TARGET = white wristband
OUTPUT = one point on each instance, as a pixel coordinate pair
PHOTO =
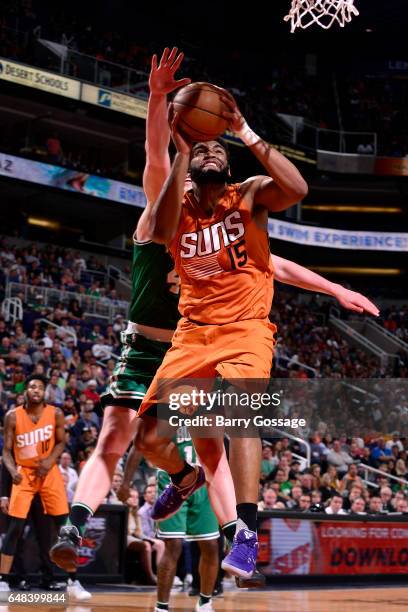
(247, 135)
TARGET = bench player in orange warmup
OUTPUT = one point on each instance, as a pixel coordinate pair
(34, 441)
(217, 236)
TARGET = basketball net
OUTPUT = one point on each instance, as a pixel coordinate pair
(304, 13)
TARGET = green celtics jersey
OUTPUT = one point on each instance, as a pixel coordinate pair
(185, 445)
(155, 287)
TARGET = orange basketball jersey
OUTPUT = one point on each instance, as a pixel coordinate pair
(223, 261)
(34, 441)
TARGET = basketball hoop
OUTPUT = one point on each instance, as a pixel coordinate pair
(304, 13)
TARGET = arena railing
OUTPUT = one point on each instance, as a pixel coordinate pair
(12, 309)
(352, 335)
(88, 276)
(285, 362)
(367, 469)
(117, 274)
(302, 441)
(310, 136)
(67, 333)
(37, 297)
(403, 345)
(101, 72)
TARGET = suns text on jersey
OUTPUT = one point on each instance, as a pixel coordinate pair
(212, 238)
(33, 437)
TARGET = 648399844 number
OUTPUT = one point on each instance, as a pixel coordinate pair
(36, 598)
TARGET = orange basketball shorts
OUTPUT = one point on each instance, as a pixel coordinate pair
(51, 490)
(243, 349)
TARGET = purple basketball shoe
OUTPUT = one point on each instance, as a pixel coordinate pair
(241, 560)
(173, 497)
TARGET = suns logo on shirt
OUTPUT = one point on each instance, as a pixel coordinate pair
(291, 561)
(213, 238)
(33, 437)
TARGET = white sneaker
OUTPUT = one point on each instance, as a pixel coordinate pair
(76, 591)
(4, 586)
(177, 582)
(207, 607)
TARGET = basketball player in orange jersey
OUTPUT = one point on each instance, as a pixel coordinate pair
(153, 316)
(217, 236)
(119, 422)
(34, 440)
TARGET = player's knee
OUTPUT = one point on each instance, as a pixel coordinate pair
(209, 549)
(147, 442)
(210, 451)
(113, 441)
(174, 548)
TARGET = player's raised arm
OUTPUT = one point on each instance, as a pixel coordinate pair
(285, 185)
(162, 81)
(289, 272)
(8, 458)
(165, 212)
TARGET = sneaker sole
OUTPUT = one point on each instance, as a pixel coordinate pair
(256, 581)
(65, 557)
(235, 571)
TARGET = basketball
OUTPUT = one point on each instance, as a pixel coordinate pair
(200, 107)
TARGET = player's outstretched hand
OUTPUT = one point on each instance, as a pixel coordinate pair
(355, 301)
(233, 114)
(181, 141)
(162, 76)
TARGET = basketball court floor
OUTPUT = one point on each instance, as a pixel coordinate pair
(386, 599)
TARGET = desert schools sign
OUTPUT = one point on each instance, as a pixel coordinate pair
(39, 79)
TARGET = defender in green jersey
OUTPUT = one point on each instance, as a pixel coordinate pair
(153, 316)
(195, 521)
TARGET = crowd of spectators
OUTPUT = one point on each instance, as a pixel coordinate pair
(305, 337)
(336, 482)
(50, 266)
(395, 320)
